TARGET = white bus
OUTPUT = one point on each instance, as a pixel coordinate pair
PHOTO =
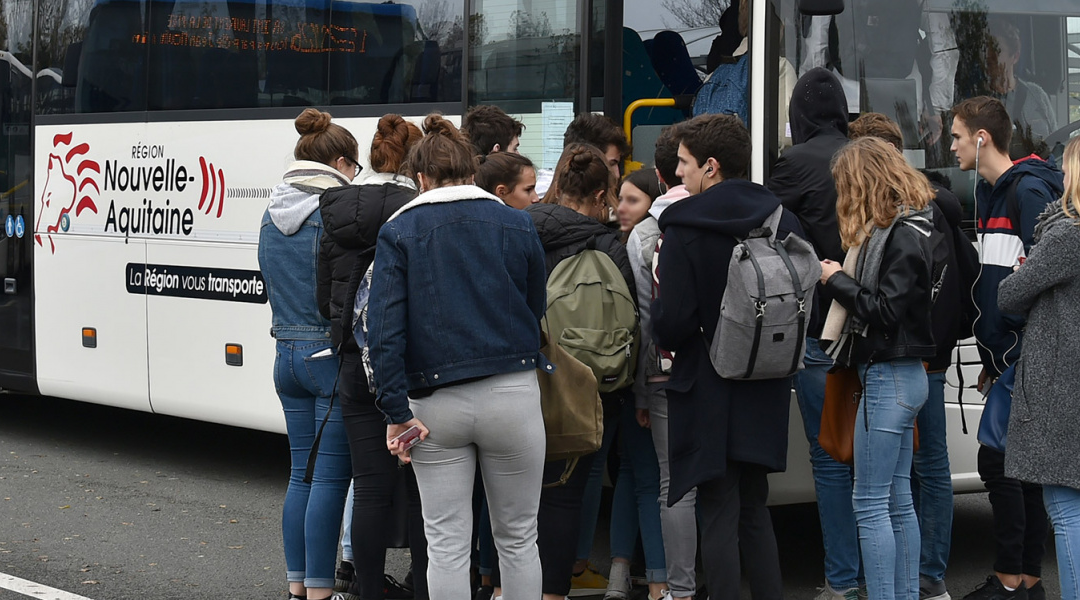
(140, 140)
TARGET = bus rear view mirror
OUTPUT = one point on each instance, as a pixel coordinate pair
(817, 8)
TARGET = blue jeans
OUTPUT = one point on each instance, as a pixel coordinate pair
(932, 486)
(636, 504)
(832, 480)
(311, 517)
(1063, 506)
(893, 393)
(590, 502)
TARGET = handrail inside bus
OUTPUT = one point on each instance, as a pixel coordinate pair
(629, 164)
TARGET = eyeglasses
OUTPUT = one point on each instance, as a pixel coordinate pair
(357, 166)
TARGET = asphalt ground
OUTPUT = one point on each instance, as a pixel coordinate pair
(112, 504)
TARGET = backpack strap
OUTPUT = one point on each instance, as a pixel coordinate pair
(759, 306)
(800, 297)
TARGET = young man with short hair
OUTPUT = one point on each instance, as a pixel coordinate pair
(491, 130)
(1008, 203)
(597, 131)
(725, 435)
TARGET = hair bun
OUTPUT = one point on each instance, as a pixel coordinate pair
(437, 125)
(580, 159)
(312, 121)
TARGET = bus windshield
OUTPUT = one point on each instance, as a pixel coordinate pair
(913, 60)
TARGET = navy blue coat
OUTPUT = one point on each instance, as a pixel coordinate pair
(713, 420)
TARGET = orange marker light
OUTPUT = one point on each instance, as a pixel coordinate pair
(234, 355)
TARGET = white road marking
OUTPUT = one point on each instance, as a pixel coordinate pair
(35, 590)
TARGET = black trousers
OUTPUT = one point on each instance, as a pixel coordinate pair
(1020, 522)
(376, 478)
(734, 518)
(557, 525)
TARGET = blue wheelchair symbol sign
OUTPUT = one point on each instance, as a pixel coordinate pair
(20, 226)
(9, 226)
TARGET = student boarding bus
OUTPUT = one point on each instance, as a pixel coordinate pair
(141, 138)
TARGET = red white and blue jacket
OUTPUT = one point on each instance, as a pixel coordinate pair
(1005, 238)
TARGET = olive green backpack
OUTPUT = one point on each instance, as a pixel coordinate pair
(592, 315)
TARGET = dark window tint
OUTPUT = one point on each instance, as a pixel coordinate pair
(16, 189)
(116, 55)
(94, 54)
(523, 50)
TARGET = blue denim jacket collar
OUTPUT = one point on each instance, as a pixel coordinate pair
(454, 193)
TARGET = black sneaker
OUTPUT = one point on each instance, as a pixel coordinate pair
(932, 590)
(992, 589)
(484, 593)
(1037, 591)
(393, 590)
(344, 576)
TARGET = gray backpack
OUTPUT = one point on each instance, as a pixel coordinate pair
(770, 287)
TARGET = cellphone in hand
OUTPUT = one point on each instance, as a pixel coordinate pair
(409, 438)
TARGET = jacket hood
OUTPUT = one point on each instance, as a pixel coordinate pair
(1045, 171)
(293, 200)
(734, 207)
(1053, 217)
(352, 215)
(559, 226)
(662, 202)
(818, 104)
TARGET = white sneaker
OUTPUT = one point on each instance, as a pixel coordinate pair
(618, 587)
(664, 595)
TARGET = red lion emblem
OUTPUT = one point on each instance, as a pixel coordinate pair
(64, 192)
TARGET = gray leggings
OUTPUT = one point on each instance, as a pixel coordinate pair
(497, 420)
(679, 522)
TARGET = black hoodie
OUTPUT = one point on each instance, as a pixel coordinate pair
(713, 420)
(802, 177)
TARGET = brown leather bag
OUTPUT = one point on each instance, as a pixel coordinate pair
(573, 413)
(843, 391)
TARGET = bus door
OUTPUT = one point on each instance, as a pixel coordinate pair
(16, 201)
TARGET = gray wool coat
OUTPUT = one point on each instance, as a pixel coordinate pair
(1044, 425)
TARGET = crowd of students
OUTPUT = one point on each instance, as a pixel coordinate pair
(413, 301)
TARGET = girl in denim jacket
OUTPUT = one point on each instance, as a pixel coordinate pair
(306, 366)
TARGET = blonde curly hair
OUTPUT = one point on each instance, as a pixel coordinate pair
(873, 183)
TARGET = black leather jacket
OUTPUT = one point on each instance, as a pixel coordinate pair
(898, 315)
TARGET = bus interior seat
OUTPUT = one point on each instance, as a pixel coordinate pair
(641, 81)
(672, 63)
